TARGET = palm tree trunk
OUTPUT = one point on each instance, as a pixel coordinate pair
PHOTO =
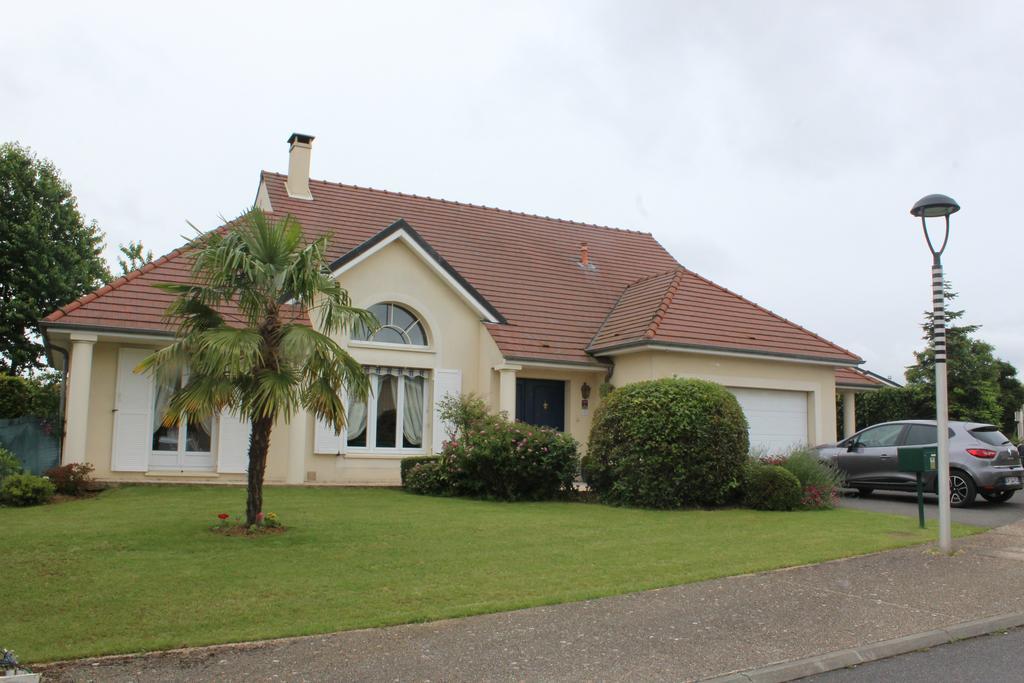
(259, 444)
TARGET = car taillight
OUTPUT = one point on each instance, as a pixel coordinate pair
(982, 453)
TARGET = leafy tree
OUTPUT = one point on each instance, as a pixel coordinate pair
(49, 255)
(982, 388)
(243, 339)
(971, 367)
(133, 256)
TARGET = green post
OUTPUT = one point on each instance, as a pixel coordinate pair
(920, 500)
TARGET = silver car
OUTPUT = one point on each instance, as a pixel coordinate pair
(981, 460)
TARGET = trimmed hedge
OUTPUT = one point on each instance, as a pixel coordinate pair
(667, 443)
(408, 463)
(771, 487)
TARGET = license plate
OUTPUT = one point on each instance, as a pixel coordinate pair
(1010, 481)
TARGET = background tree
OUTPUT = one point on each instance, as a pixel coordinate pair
(242, 335)
(133, 256)
(982, 388)
(49, 255)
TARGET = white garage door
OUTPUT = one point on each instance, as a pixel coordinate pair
(777, 419)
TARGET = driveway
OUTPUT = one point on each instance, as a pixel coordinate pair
(983, 513)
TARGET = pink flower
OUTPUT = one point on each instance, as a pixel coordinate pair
(259, 517)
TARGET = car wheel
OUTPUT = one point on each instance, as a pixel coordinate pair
(864, 493)
(962, 490)
(998, 496)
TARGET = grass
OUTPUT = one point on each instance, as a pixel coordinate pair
(137, 568)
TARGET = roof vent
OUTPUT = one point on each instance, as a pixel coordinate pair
(299, 152)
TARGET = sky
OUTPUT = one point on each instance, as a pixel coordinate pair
(774, 147)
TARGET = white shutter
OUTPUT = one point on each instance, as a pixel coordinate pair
(233, 444)
(445, 382)
(326, 441)
(133, 414)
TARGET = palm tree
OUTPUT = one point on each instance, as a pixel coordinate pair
(245, 339)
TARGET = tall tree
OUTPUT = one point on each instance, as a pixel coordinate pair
(244, 340)
(973, 370)
(133, 256)
(49, 255)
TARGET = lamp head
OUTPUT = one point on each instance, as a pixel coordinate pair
(935, 205)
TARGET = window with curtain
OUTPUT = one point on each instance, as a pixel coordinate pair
(392, 416)
(398, 325)
(184, 437)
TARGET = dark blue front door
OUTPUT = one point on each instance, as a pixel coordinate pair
(541, 402)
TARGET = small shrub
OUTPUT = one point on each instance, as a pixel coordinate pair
(24, 489)
(668, 443)
(770, 487)
(408, 463)
(73, 479)
(426, 478)
(820, 481)
(9, 464)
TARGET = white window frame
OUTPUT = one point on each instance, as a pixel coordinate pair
(371, 422)
(180, 452)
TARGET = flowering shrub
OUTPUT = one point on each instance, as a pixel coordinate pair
(72, 479)
(236, 525)
(8, 661)
(819, 480)
(489, 457)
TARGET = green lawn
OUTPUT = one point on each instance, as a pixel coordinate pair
(138, 569)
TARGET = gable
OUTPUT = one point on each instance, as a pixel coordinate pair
(401, 232)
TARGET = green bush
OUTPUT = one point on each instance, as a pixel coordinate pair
(668, 443)
(770, 487)
(9, 464)
(408, 463)
(489, 457)
(819, 481)
(73, 479)
(426, 478)
(25, 489)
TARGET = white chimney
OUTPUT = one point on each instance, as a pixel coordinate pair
(298, 166)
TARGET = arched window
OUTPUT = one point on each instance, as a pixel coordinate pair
(397, 326)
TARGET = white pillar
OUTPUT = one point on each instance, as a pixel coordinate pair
(507, 389)
(297, 448)
(77, 412)
(849, 413)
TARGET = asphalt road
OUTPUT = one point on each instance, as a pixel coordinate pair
(996, 657)
(982, 513)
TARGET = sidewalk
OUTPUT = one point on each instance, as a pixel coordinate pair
(687, 632)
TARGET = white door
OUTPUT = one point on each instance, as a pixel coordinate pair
(777, 420)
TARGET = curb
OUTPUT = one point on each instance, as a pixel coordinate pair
(830, 661)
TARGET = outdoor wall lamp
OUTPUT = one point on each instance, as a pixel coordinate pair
(585, 393)
(935, 206)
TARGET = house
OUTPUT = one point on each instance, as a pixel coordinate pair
(534, 314)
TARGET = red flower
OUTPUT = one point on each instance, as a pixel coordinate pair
(223, 515)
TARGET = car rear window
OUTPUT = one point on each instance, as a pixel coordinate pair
(920, 434)
(989, 435)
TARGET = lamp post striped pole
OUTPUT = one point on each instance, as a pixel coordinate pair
(935, 205)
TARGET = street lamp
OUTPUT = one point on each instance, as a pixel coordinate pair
(934, 206)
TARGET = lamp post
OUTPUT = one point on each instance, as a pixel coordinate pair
(935, 206)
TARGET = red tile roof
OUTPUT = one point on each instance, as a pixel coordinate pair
(854, 377)
(680, 308)
(526, 266)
